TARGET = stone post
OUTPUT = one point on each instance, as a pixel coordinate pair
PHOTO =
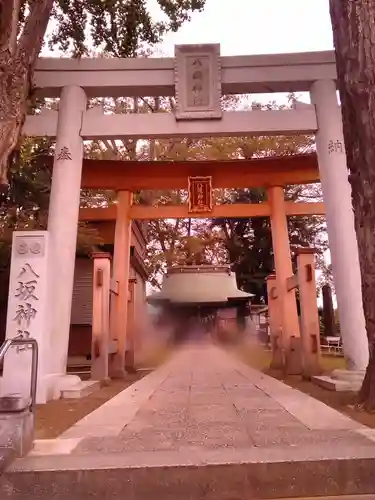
(63, 223)
(310, 330)
(100, 315)
(131, 328)
(340, 223)
(274, 323)
(121, 268)
(283, 266)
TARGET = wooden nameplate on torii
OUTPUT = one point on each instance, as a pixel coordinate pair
(200, 194)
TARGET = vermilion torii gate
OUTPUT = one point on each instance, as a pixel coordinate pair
(274, 173)
(197, 77)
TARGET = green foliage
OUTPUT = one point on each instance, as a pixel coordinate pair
(245, 243)
(249, 241)
(117, 27)
(249, 244)
(24, 201)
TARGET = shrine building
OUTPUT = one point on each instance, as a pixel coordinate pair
(204, 295)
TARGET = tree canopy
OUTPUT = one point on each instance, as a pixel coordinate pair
(117, 27)
(120, 28)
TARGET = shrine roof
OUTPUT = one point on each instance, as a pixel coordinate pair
(199, 284)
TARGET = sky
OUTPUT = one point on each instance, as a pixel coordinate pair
(251, 27)
(246, 27)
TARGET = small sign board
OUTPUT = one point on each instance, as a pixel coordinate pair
(198, 82)
(200, 194)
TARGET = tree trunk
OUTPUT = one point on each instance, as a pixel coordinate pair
(18, 55)
(354, 40)
(328, 312)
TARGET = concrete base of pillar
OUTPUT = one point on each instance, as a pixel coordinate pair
(70, 386)
(341, 380)
(81, 390)
(11, 386)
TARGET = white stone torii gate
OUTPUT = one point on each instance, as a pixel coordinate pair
(197, 77)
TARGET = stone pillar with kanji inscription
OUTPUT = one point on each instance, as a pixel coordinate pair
(63, 224)
(27, 315)
(340, 223)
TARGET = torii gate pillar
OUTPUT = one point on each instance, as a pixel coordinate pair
(290, 334)
(340, 224)
(62, 228)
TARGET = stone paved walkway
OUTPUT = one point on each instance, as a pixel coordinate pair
(203, 426)
(209, 400)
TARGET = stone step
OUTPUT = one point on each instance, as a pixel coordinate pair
(334, 384)
(215, 475)
(84, 388)
(340, 380)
